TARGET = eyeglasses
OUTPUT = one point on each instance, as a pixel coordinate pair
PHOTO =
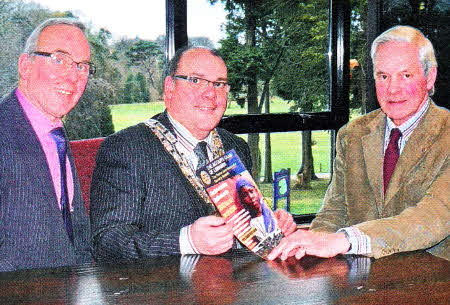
(201, 82)
(64, 60)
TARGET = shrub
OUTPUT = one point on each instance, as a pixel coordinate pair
(91, 118)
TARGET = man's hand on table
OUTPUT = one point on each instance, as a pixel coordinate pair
(304, 242)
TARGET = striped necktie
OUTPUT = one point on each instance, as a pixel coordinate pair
(61, 145)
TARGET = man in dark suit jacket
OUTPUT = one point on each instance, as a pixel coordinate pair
(145, 198)
(53, 71)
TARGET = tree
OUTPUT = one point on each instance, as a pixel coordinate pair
(300, 77)
(201, 41)
(249, 7)
(104, 57)
(267, 146)
(148, 56)
(127, 95)
(250, 50)
(142, 95)
(17, 21)
(284, 43)
(91, 118)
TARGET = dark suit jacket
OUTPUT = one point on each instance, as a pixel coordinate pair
(32, 233)
(140, 199)
(415, 212)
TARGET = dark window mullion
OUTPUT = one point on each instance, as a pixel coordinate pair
(280, 122)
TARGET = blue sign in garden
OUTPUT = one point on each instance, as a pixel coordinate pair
(282, 187)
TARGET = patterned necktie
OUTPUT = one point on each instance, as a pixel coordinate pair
(201, 153)
(61, 145)
(391, 156)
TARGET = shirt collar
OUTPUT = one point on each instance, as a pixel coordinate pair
(40, 123)
(184, 136)
(407, 127)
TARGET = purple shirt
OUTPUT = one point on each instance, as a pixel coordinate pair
(42, 127)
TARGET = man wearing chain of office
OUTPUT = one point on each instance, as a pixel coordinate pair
(146, 198)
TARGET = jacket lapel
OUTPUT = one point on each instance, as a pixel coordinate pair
(29, 145)
(372, 145)
(421, 139)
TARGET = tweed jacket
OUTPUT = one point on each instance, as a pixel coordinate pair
(32, 232)
(415, 211)
(140, 198)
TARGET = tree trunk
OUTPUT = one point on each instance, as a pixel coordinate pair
(306, 172)
(252, 90)
(267, 150)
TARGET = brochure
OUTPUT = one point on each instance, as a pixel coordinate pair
(239, 200)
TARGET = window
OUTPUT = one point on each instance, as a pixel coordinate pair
(289, 112)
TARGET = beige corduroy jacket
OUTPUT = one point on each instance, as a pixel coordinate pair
(415, 212)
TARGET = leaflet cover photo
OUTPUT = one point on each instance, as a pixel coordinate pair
(239, 200)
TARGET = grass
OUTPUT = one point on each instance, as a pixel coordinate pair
(126, 115)
(286, 149)
(277, 105)
(301, 201)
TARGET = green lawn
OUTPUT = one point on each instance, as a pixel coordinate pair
(302, 201)
(277, 105)
(126, 115)
(286, 149)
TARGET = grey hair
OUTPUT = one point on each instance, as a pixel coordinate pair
(406, 33)
(173, 64)
(32, 41)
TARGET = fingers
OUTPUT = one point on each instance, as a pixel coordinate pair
(211, 235)
(212, 225)
(284, 249)
(213, 246)
(303, 242)
(274, 253)
(289, 249)
(289, 226)
(328, 244)
(218, 246)
(285, 222)
(300, 253)
(288, 246)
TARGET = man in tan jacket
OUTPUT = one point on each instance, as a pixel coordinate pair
(390, 191)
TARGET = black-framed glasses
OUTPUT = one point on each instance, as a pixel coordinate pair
(64, 60)
(201, 82)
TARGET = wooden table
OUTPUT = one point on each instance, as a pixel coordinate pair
(240, 278)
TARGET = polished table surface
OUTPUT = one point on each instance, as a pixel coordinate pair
(238, 278)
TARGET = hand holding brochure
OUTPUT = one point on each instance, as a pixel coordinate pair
(238, 199)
